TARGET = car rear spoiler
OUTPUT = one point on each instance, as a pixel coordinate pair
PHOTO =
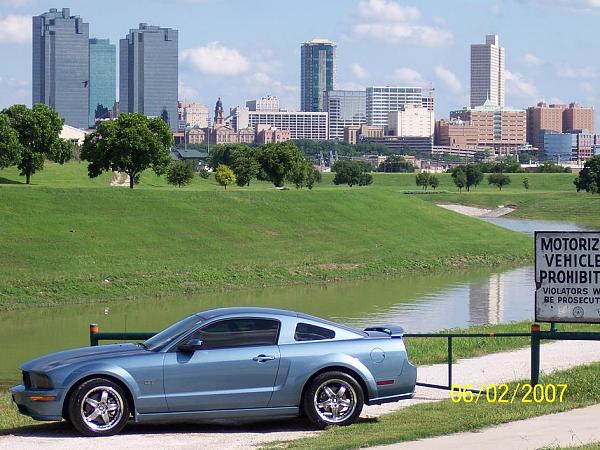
(394, 331)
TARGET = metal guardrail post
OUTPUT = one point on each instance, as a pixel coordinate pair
(535, 354)
(94, 334)
(450, 362)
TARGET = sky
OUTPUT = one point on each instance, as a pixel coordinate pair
(239, 50)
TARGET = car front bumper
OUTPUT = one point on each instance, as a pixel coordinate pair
(38, 404)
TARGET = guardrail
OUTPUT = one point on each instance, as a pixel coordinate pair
(450, 337)
(536, 336)
(96, 336)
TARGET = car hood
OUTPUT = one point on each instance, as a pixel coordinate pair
(54, 361)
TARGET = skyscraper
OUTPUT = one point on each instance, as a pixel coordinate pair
(487, 72)
(103, 75)
(317, 73)
(148, 72)
(346, 109)
(381, 100)
(60, 65)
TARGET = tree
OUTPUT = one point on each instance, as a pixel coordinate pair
(351, 173)
(180, 173)
(38, 131)
(589, 177)
(422, 179)
(278, 161)
(396, 163)
(10, 148)
(314, 176)
(224, 176)
(434, 182)
(225, 154)
(300, 173)
(499, 180)
(460, 179)
(365, 178)
(132, 143)
(205, 174)
(552, 167)
(526, 183)
(245, 166)
(474, 176)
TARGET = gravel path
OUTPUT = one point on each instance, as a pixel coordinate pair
(495, 368)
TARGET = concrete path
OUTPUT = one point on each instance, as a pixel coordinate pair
(495, 368)
(567, 429)
(474, 211)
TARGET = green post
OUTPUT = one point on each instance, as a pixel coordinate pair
(94, 334)
(450, 362)
(535, 354)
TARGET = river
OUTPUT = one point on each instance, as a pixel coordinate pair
(419, 303)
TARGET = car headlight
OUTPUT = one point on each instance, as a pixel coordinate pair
(40, 381)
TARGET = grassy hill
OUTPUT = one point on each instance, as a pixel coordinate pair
(64, 235)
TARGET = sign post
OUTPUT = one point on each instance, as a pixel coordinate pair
(567, 276)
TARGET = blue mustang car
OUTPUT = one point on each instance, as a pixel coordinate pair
(222, 363)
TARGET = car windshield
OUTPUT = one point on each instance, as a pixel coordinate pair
(173, 332)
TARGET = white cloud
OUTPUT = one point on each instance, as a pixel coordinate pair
(15, 29)
(216, 59)
(388, 21)
(187, 92)
(582, 5)
(449, 78)
(568, 71)
(408, 76)
(359, 71)
(266, 81)
(519, 85)
(531, 60)
(391, 10)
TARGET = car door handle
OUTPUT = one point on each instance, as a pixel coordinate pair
(263, 358)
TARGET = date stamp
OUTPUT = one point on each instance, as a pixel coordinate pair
(505, 393)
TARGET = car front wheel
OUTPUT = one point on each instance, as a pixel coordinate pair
(333, 398)
(99, 407)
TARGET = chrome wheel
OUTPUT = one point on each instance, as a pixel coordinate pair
(335, 400)
(101, 408)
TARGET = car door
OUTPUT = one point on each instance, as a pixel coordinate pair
(235, 368)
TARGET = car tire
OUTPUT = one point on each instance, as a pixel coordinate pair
(99, 407)
(333, 398)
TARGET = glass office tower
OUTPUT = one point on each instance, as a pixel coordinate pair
(103, 79)
(60, 75)
(317, 73)
(345, 108)
(148, 73)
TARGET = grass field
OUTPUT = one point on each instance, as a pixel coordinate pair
(445, 417)
(65, 234)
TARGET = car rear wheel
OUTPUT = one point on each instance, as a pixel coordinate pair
(333, 398)
(99, 407)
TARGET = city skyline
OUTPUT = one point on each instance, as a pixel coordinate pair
(218, 59)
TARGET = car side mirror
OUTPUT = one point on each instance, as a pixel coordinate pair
(191, 346)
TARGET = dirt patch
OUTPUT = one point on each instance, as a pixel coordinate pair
(340, 266)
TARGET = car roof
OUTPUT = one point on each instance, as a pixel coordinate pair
(230, 311)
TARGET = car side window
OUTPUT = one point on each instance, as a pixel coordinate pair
(238, 333)
(308, 332)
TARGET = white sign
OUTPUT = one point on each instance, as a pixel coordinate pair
(567, 276)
